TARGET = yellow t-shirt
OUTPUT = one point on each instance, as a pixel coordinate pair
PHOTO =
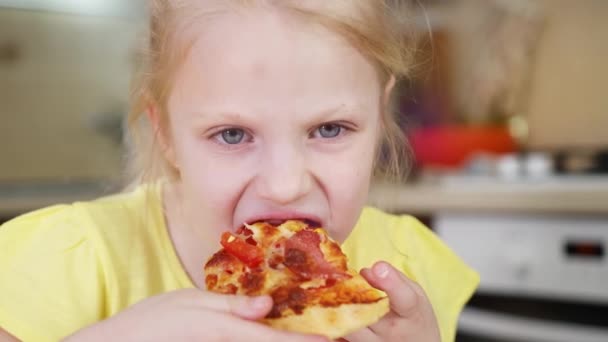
(65, 267)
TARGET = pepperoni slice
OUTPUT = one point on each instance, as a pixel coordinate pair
(303, 256)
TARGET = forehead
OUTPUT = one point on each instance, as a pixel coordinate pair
(266, 58)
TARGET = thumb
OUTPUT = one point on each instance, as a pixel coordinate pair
(251, 308)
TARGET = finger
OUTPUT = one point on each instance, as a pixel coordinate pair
(363, 335)
(247, 330)
(251, 308)
(422, 327)
(404, 295)
(387, 324)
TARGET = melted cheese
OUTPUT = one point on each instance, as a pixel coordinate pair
(313, 283)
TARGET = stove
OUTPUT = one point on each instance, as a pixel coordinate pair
(544, 276)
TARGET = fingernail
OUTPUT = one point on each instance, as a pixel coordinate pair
(258, 303)
(381, 270)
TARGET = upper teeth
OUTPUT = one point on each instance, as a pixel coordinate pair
(275, 222)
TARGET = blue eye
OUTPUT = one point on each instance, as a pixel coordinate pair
(232, 136)
(329, 130)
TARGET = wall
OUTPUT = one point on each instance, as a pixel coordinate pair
(565, 97)
(64, 70)
(569, 91)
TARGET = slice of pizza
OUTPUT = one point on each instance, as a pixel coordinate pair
(303, 270)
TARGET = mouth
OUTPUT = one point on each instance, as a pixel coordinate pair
(278, 219)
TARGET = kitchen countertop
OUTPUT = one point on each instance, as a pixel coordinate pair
(559, 195)
(565, 195)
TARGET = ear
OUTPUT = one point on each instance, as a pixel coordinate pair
(388, 90)
(160, 134)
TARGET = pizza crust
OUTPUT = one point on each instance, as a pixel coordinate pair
(332, 322)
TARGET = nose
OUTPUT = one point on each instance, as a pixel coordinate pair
(283, 175)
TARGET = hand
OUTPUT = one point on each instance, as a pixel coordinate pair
(411, 318)
(191, 315)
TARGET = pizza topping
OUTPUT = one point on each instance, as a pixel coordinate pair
(252, 282)
(229, 289)
(314, 283)
(225, 261)
(269, 231)
(249, 254)
(330, 282)
(334, 255)
(211, 281)
(285, 298)
(244, 231)
(297, 261)
(217, 284)
(275, 261)
(303, 256)
(293, 298)
(341, 293)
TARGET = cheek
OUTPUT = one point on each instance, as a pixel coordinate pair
(347, 185)
(213, 180)
(355, 170)
(346, 205)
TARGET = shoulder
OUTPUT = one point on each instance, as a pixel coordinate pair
(58, 226)
(125, 208)
(58, 262)
(385, 236)
(70, 223)
(401, 238)
(373, 220)
(413, 248)
(107, 227)
(63, 231)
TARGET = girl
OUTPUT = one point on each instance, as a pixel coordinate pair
(244, 111)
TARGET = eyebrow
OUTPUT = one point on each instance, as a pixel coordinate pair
(209, 115)
(342, 109)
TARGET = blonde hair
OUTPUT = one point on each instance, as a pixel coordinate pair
(379, 29)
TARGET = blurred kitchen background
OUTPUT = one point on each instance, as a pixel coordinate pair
(506, 112)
